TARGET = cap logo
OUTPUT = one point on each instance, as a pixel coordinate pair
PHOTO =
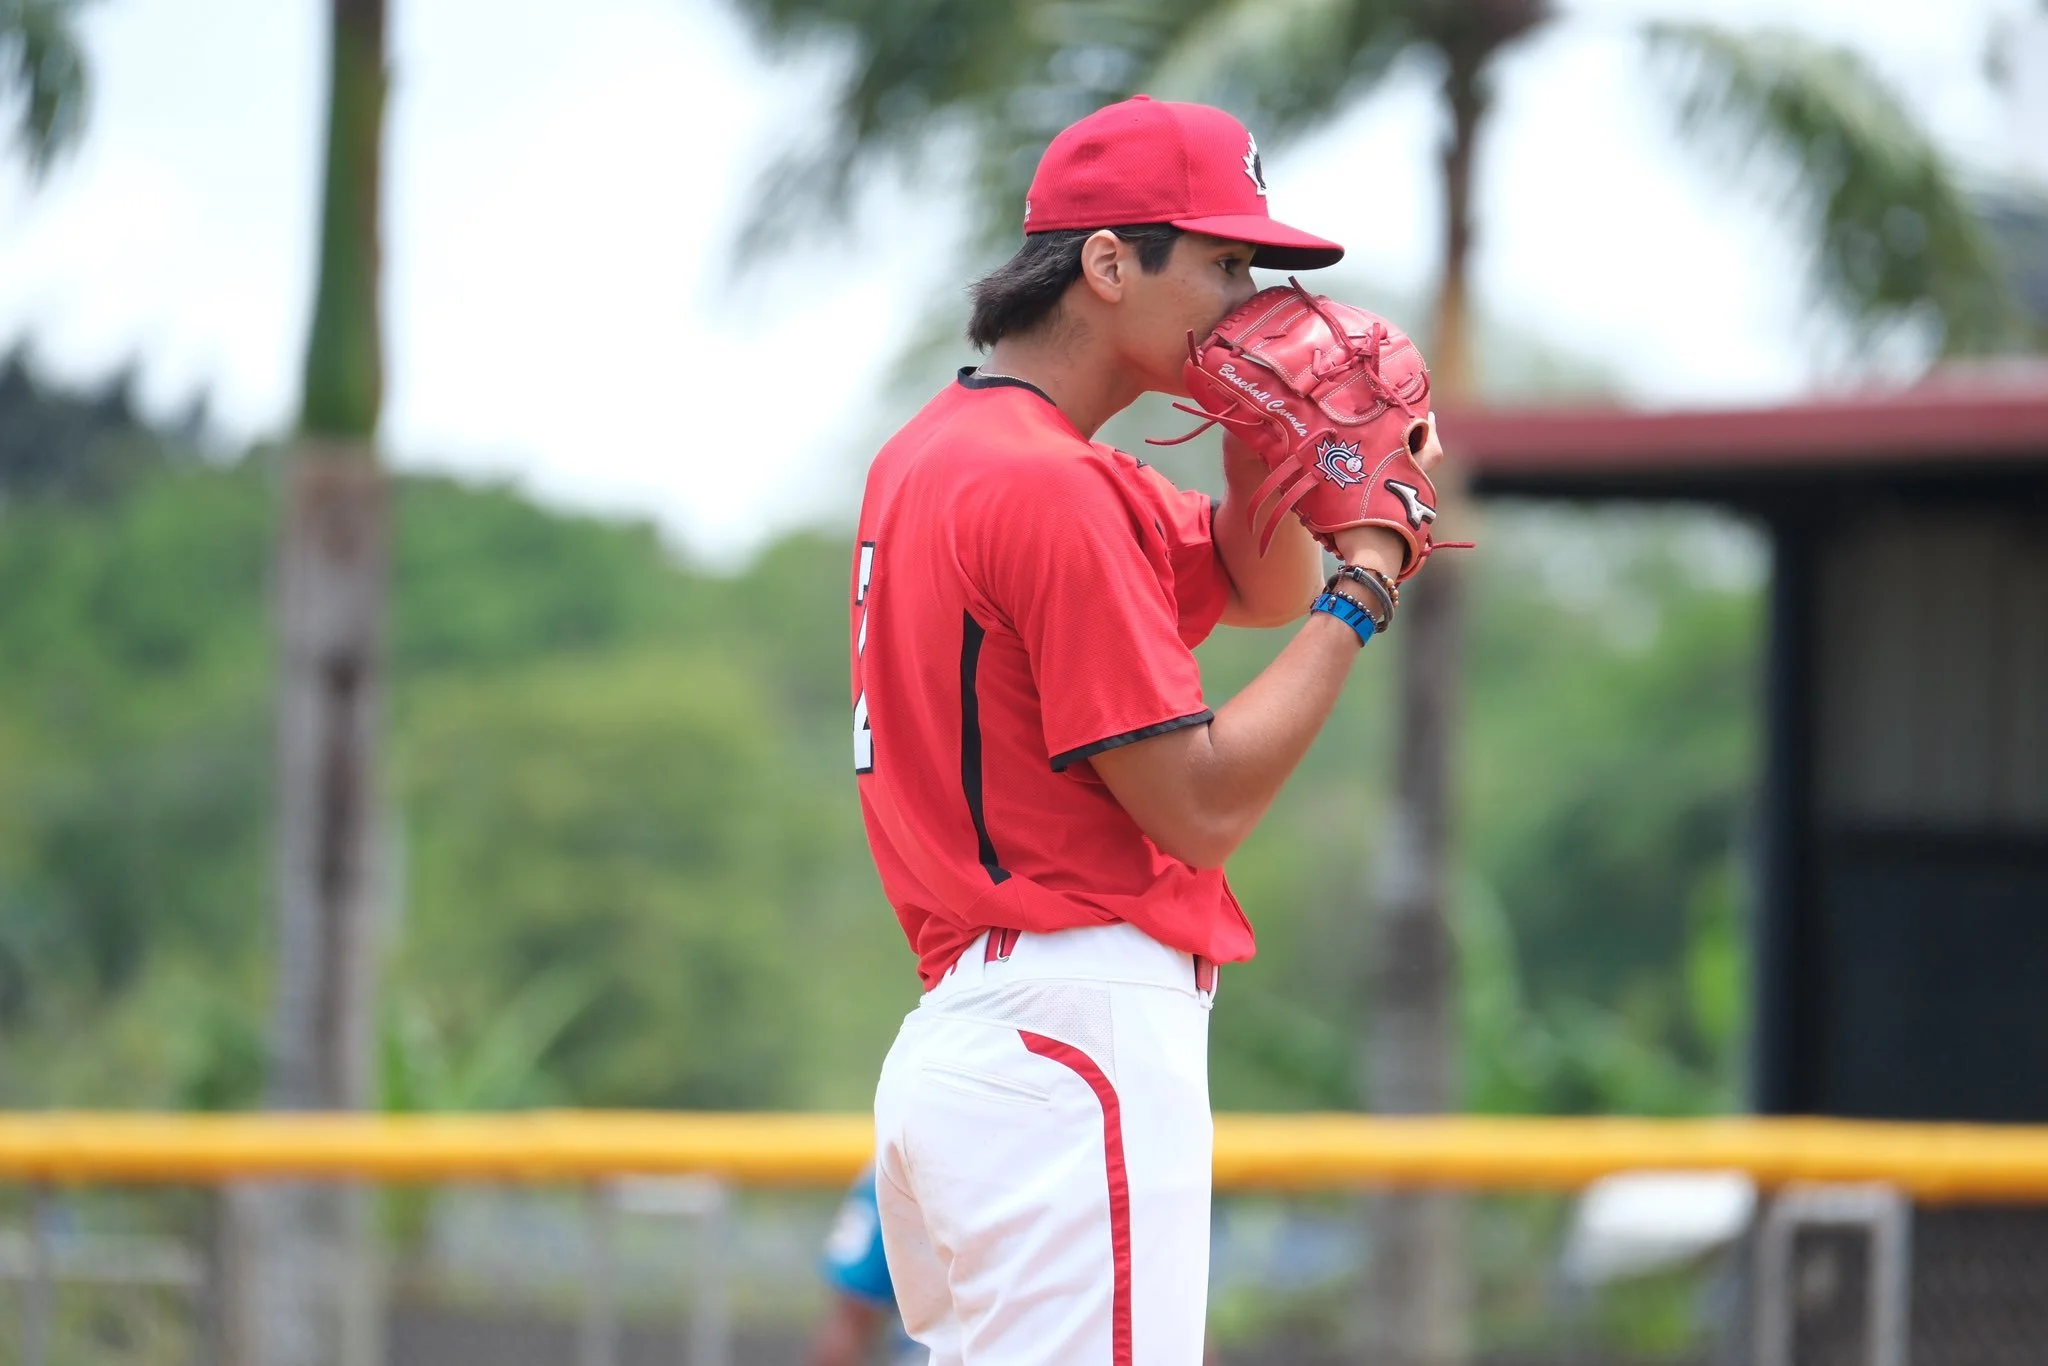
(1027, 210)
(1253, 166)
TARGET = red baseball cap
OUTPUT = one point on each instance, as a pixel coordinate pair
(1157, 161)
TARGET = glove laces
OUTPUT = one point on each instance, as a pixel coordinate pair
(1361, 354)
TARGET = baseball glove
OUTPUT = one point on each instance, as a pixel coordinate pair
(1336, 402)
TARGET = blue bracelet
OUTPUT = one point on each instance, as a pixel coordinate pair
(1346, 611)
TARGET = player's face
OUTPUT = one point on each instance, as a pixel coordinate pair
(1204, 279)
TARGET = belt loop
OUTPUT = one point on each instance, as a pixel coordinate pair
(1205, 975)
(999, 946)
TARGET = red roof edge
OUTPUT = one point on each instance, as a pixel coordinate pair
(1929, 424)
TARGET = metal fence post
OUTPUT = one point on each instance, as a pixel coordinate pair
(711, 1312)
(705, 1202)
(597, 1342)
(39, 1289)
(1885, 1216)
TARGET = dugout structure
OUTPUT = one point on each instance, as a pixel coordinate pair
(1900, 941)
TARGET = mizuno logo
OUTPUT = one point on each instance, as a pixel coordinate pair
(1420, 514)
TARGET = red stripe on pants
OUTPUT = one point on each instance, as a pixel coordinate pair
(1119, 1185)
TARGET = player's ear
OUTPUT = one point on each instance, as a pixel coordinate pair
(1103, 267)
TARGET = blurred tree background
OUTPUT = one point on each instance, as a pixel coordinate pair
(629, 862)
(633, 866)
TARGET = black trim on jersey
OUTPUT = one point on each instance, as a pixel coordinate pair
(971, 636)
(1075, 756)
(972, 378)
(860, 590)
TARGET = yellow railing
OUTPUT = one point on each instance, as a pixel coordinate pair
(1275, 1152)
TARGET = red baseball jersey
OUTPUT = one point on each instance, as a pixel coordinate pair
(1024, 599)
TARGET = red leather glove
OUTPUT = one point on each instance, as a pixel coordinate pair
(1335, 400)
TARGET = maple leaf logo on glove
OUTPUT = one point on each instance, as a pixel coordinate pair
(1340, 462)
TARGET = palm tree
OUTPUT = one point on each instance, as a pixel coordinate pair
(306, 1269)
(311, 1300)
(43, 69)
(1892, 239)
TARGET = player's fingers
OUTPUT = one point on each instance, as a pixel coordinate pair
(1431, 449)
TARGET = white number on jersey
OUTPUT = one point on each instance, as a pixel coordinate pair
(863, 734)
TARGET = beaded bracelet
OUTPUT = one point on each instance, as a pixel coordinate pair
(1382, 589)
(1349, 611)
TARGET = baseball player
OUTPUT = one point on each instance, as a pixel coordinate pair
(1048, 794)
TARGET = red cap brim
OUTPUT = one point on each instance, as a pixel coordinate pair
(1280, 247)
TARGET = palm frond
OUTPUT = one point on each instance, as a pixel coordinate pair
(973, 91)
(918, 75)
(1285, 65)
(1893, 237)
(42, 77)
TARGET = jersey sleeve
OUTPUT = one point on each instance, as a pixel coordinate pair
(1187, 519)
(1080, 566)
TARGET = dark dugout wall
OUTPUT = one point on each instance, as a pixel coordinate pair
(1903, 945)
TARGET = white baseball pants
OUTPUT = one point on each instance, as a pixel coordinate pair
(1043, 1148)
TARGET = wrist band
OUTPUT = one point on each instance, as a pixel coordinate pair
(1352, 614)
(1369, 577)
(1378, 585)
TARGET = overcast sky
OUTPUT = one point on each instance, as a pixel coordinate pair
(560, 193)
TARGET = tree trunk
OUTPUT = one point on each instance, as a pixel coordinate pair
(306, 1293)
(311, 1268)
(1417, 1297)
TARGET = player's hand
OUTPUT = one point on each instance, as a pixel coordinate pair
(1238, 451)
(1369, 547)
(1432, 453)
(1372, 547)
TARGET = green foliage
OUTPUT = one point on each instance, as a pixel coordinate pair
(451, 618)
(499, 1067)
(77, 448)
(641, 795)
(43, 77)
(1557, 772)
(1606, 775)
(134, 702)
(1891, 233)
(633, 871)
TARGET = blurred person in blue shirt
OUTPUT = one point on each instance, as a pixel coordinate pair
(863, 1299)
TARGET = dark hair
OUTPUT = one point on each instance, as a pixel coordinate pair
(1022, 292)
